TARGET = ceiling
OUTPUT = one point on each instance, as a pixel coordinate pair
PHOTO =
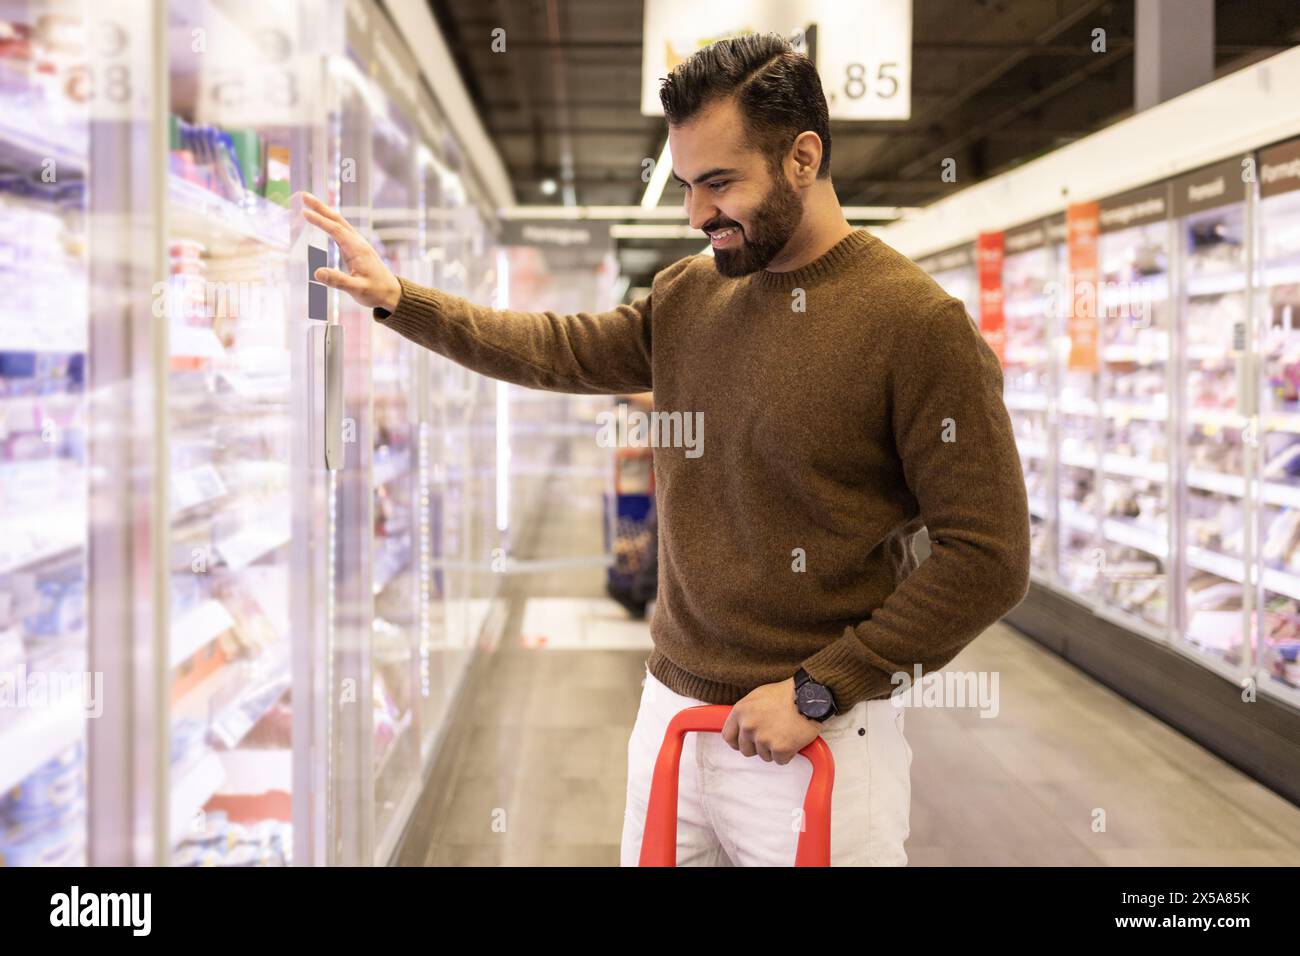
(994, 83)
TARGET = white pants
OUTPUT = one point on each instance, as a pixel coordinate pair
(735, 810)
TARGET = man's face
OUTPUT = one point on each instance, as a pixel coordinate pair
(730, 186)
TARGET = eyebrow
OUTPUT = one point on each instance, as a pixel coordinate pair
(709, 175)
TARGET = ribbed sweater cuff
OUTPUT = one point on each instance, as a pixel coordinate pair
(417, 305)
(841, 667)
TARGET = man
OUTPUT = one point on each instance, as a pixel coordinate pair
(849, 401)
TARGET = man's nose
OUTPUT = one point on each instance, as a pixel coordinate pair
(699, 209)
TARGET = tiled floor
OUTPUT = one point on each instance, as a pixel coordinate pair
(1067, 773)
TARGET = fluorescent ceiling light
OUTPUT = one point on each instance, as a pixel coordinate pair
(654, 189)
(652, 231)
(673, 213)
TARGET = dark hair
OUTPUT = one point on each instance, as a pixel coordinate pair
(777, 88)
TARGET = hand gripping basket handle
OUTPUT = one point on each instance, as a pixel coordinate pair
(659, 843)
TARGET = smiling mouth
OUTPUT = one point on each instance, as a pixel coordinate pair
(723, 236)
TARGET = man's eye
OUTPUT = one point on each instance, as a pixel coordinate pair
(718, 185)
(683, 185)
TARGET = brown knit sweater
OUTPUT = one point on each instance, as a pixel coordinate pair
(833, 433)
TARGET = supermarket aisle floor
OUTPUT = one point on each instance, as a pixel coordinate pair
(1071, 774)
(542, 779)
(1019, 789)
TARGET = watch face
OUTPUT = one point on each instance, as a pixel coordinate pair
(815, 701)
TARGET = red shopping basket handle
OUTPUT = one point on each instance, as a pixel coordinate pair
(659, 844)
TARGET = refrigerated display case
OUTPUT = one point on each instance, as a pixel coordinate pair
(1135, 473)
(1274, 447)
(244, 629)
(1032, 269)
(168, 516)
(45, 684)
(418, 241)
(1214, 506)
(450, 399)
(470, 409)
(447, 450)
(395, 409)
(1178, 459)
(352, 97)
(408, 581)
(488, 528)
(1077, 421)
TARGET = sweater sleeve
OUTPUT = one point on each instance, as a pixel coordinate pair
(584, 353)
(959, 458)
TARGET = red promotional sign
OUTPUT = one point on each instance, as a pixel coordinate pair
(1083, 226)
(988, 257)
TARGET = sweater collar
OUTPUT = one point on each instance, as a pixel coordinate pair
(825, 264)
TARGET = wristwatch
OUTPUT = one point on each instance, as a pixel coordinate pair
(814, 700)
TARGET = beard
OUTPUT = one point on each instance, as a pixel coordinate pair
(771, 226)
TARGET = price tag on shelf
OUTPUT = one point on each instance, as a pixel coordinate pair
(254, 73)
(863, 50)
(114, 81)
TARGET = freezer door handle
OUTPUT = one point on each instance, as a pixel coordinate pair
(333, 397)
(1244, 370)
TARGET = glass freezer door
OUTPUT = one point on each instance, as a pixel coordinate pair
(245, 480)
(351, 582)
(454, 394)
(1278, 319)
(1214, 508)
(1134, 497)
(46, 692)
(1028, 382)
(442, 573)
(397, 505)
(1078, 556)
(487, 399)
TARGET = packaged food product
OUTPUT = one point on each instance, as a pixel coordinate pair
(51, 794)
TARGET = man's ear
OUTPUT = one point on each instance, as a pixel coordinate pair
(807, 154)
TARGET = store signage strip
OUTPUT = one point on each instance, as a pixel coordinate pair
(1279, 169)
(1220, 184)
(960, 257)
(1024, 238)
(1083, 226)
(1137, 207)
(989, 254)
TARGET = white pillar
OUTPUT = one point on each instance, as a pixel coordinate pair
(1174, 51)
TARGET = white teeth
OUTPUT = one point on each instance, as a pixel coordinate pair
(723, 234)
